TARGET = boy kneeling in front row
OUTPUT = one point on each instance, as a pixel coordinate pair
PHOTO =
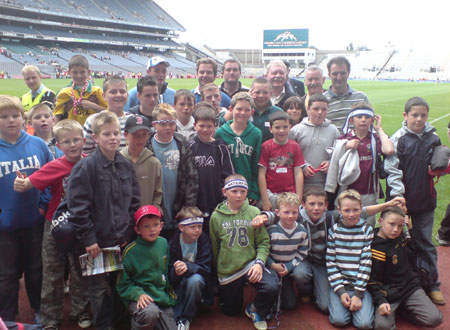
(393, 282)
(240, 252)
(143, 284)
(189, 265)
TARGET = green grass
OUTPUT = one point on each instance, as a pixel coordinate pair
(388, 99)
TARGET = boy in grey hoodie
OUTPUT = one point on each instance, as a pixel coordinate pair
(315, 134)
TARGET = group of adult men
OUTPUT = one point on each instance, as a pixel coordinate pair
(340, 95)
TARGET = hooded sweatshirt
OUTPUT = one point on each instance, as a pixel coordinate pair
(149, 176)
(317, 234)
(245, 150)
(236, 244)
(27, 155)
(314, 141)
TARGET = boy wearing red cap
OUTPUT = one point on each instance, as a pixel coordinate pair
(143, 284)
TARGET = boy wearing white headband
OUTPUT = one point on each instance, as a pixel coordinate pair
(189, 265)
(240, 252)
(369, 140)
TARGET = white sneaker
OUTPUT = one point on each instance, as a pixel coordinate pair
(183, 325)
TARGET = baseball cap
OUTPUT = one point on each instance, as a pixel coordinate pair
(146, 210)
(155, 60)
(137, 122)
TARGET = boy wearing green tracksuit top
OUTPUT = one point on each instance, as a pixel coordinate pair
(244, 142)
(143, 284)
(240, 252)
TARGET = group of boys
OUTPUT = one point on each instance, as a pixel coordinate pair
(169, 175)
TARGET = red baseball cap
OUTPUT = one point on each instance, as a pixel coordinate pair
(146, 210)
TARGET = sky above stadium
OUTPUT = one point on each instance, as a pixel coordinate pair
(418, 25)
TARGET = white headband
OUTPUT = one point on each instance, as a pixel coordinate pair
(356, 112)
(236, 183)
(191, 221)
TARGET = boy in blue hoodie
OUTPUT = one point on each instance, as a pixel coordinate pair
(21, 214)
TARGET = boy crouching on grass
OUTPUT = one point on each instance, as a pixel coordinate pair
(103, 195)
(240, 252)
(393, 282)
(70, 140)
(143, 284)
(189, 264)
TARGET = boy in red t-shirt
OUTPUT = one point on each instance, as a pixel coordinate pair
(369, 145)
(70, 140)
(280, 163)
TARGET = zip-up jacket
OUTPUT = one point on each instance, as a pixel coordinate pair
(102, 197)
(407, 168)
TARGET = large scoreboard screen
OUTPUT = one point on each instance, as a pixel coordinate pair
(289, 38)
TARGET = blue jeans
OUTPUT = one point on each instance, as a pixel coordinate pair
(307, 272)
(20, 253)
(189, 293)
(341, 316)
(423, 232)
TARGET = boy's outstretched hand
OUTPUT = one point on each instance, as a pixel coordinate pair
(385, 309)
(144, 300)
(345, 300)
(255, 273)
(259, 220)
(400, 202)
(355, 304)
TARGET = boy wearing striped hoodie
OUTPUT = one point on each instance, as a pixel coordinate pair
(349, 262)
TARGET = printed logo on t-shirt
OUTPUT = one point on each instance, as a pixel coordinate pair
(19, 165)
(172, 159)
(281, 161)
(203, 161)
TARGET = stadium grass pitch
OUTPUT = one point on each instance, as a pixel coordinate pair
(388, 98)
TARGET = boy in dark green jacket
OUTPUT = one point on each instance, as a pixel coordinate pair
(240, 252)
(243, 140)
(144, 284)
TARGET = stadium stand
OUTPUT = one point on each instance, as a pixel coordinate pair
(116, 36)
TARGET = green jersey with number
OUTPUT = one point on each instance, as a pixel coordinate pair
(235, 243)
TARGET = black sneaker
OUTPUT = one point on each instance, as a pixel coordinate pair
(442, 242)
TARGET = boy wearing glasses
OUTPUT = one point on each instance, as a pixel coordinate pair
(70, 140)
(180, 178)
